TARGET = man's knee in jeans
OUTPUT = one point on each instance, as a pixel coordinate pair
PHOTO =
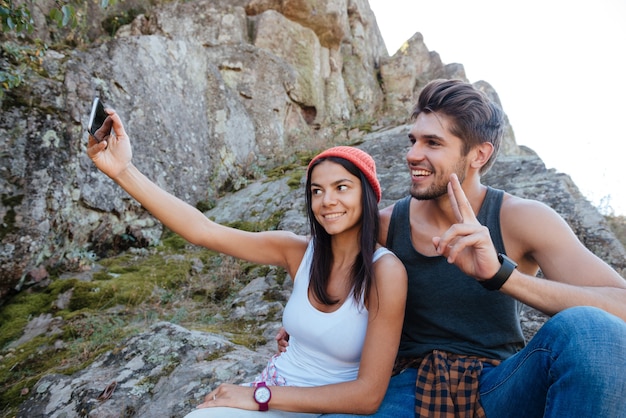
(589, 328)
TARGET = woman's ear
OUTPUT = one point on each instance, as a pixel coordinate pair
(481, 154)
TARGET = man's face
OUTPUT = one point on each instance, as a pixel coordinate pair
(435, 153)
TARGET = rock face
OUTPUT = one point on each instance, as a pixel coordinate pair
(213, 93)
(162, 372)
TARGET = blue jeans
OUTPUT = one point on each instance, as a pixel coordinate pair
(575, 366)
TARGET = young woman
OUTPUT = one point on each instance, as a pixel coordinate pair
(346, 310)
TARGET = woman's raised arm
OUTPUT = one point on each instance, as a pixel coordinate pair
(113, 156)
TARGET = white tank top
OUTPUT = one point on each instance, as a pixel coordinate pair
(324, 348)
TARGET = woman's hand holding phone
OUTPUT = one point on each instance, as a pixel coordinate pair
(112, 154)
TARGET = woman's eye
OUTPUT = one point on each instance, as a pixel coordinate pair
(342, 187)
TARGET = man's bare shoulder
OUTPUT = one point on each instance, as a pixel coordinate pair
(520, 206)
(525, 217)
(385, 219)
(387, 211)
(530, 228)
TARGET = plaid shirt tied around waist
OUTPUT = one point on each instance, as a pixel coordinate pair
(447, 384)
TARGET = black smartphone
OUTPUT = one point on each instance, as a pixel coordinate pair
(96, 120)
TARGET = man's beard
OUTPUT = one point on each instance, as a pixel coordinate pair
(440, 187)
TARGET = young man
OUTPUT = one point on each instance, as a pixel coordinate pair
(472, 254)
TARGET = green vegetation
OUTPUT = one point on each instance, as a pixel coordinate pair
(269, 224)
(14, 58)
(20, 53)
(174, 281)
(15, 18)
(15, 62)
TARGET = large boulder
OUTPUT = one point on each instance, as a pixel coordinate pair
(212, 92)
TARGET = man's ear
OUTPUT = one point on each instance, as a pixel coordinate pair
(480, 154)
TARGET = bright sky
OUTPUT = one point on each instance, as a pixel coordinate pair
(558, 67)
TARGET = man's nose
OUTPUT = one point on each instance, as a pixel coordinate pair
(415, 153)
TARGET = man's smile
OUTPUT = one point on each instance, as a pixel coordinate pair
(420, 172)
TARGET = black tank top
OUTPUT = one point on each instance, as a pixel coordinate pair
(447, 310)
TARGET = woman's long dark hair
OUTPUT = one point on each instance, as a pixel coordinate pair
(362, 269)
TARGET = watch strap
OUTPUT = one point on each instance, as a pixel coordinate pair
(506, 269)
(263, 406)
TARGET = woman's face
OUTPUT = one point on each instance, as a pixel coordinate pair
(336, 199)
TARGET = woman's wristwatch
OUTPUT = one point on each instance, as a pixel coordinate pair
(262, 396)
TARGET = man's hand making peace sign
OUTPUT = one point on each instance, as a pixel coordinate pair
(467, 243)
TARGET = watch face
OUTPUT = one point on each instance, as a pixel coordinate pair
(262, 394)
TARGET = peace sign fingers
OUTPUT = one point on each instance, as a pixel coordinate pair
(466, 243)
(460, 204)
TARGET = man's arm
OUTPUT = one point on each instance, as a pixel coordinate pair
(535, 237)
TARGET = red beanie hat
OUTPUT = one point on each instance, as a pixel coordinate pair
(361, 159)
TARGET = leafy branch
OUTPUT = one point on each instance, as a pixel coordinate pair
(63, 15)
(17, 20)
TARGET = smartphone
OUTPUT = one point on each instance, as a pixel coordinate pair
(96, 120)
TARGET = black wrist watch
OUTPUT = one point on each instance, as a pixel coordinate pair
(262, 396)
(506, 269)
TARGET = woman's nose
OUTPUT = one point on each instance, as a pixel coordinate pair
(329, 198)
